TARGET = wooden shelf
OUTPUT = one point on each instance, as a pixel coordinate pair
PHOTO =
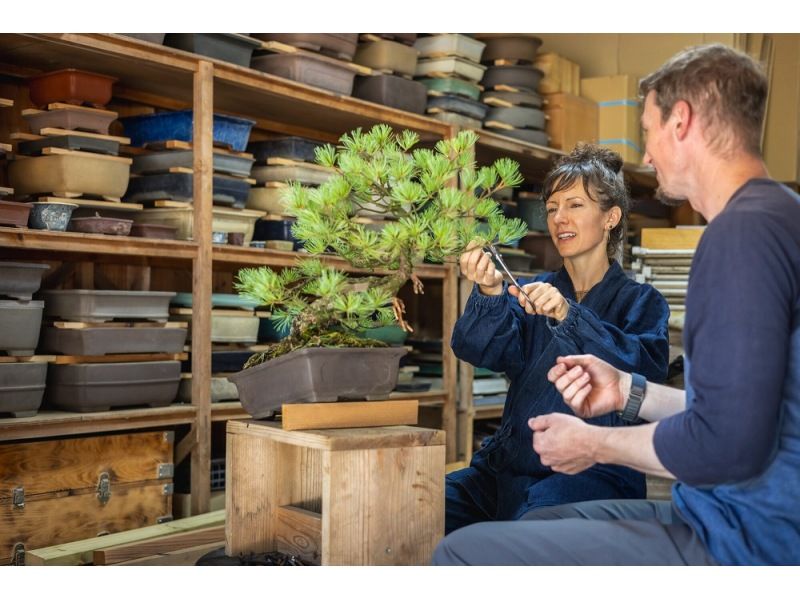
(61, 242)
(249, 256)
(488, 412)
(63, 423)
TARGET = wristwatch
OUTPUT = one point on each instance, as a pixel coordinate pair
(638, 386)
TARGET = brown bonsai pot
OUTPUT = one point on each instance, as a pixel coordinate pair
(70, 118)
(14, 213)
(318, 375)
(101, 225)
(72, 86)
(340, 45)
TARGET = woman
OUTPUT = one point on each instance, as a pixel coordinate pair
(589, 306)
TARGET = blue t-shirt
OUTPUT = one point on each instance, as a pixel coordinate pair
(736, 448)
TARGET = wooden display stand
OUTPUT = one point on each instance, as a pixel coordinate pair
(359, 496)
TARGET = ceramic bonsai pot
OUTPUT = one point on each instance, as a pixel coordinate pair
(153, 38)
(20, 322)
(509, 46)
(14, 213)
(307, 69)
(153, 231)
(404, 38)
(99, 386)
(340, 45)
(221, 300)
(81, 305)
(228, 328)
(528, 99)
(314, 375)
(293, 148)
(306, 174)
(228, 220)
(518, 117)
(50, 216)
(160, 162)
(62, 174)
(268, 199)
(450, 66)
(530, 135)
(519, 76)
(392, 91)
(69, 142)
(450, 44)
(280, 230)
(387, 55)
(21, 280)
(166, 126)
(533, 213)
(101, 225)
(459, 105)
(230, 47)
(72, 86)
(459, 120)
(22, 388)
(452, 86)
(104, 341)
(70, 118)
(178, 186)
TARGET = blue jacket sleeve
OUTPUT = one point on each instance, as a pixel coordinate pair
(640, 345)
(489, 333)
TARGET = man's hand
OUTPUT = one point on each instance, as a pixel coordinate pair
(545, 300)
(477, 266)
(564, 443)
(589, 385)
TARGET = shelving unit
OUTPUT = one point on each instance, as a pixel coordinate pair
(167, 78)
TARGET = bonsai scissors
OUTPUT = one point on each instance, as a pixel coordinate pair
(496, 255)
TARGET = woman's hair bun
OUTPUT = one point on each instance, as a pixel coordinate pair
(584, 152)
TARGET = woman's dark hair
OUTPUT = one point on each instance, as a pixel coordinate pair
(599, 170)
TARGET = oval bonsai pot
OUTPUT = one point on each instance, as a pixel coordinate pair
(72, 86)
(50, 216)
(101, 225)
(519, 76)
(318, 375)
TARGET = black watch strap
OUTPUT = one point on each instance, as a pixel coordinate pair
(631, 411)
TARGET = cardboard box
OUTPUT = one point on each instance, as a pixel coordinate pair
(571, 119)
(560, 75)
(619, 113)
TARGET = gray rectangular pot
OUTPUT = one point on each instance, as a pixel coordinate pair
(101, 306)
(21, 280)
(292, 147)
(309, 70)
(230, 47)
(70, 142)
(162, 161)
(100, 386)
(22, 388)
(20, 322)
(392, 91)
(102, 341)
(318, 375)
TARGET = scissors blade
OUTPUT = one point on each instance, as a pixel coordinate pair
(502, 264)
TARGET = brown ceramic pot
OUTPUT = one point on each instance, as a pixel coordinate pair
(101, 225)
(72, 86)
(340, 45)
(13, 213)
(71, 119)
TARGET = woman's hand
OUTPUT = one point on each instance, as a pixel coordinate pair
(545, 300)
(590, 386)
(477, 266)
(564, 443)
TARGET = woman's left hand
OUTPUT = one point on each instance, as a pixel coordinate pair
(545, 300)
(564, 443)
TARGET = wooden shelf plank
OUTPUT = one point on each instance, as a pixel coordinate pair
(271, 257)
(63, 423)
(104, 244)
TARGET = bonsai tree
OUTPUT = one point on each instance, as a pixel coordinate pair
(429, 217)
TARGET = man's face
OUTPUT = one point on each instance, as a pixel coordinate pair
(660, 152)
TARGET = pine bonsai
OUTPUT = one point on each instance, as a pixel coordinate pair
(428, 217)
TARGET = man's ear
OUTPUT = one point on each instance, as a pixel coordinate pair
(681, 118)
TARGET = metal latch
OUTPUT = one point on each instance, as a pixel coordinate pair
(18, 554)
(165, 470)
(104, 488)
(18, 498)
(168, 490)
(164, 519)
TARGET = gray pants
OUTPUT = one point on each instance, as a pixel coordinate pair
(600, 532)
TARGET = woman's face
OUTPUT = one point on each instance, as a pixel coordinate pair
(576, 222)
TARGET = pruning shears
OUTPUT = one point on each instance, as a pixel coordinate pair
(502, 264)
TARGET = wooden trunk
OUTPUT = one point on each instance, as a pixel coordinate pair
(360, 496)
(77, 488)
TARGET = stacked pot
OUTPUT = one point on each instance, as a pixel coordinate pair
(21, 384)
(394, 58)
(449, 67)
(68, 152)
(164, 174)
(81, 325)
(510, 86)
(324, 64)
(5, 149)
(278, 161)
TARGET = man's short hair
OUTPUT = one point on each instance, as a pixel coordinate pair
(727, 88)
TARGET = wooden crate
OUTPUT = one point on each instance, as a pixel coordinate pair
(359, 496)
(571, 119)
(60, 491)
(560, 74)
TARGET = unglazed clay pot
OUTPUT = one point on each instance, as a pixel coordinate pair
(70, 118)
(340, 45)
(387, 55)
(392, 91)
(309, 70)
(62, 174)
(72, 86)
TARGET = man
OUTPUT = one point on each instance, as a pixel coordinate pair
(733, 438)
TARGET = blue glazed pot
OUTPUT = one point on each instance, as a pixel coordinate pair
(50, 216)
(168, 126)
